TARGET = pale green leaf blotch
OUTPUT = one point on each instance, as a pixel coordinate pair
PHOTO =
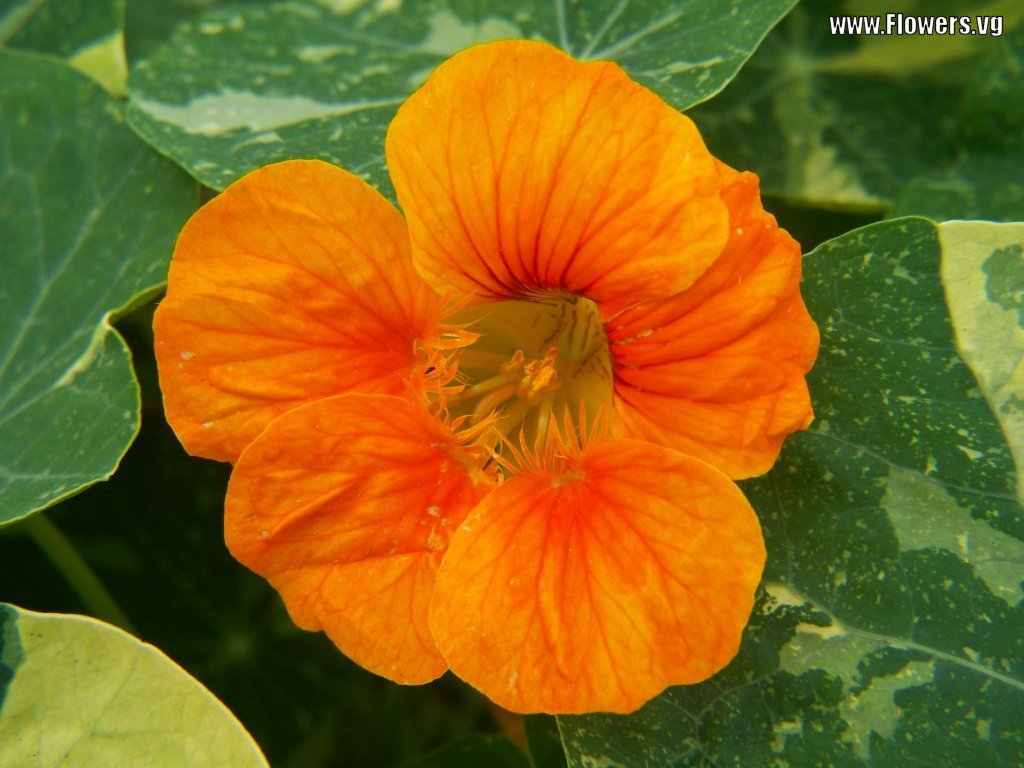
(244, 86)
(88, 34)
(983, 272)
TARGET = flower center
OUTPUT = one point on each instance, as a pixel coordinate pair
(539, 365)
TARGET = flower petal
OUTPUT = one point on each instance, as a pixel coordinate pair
(595, 590)
(718, 371)
(521, 169)
(293, 285)
(345, 506)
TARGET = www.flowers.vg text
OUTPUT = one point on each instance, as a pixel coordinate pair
(904, 24)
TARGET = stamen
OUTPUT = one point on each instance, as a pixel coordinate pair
(474, 445)
(491, 401)
(487, 385)
(534, 358)
(513, 416)
(516, 361)
(544, 413)
(540, 376)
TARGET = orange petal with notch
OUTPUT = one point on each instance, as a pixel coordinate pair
(597, 589)
(346, 506)
(519, 168)
(718, 371)
(294, 284)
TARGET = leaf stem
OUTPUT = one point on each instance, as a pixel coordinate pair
(76, 571)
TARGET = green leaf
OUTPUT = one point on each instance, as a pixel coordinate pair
(89, 215)
(249, 85)
(489, 751)
(981, 185)
(845, 121)
(890, 630)
(80, 692)
(148, 23)
(87, 33)
(983, 270)
(994, 101)
(545, 742)
(984, 181)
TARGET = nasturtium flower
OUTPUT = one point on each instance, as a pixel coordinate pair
(499, 435)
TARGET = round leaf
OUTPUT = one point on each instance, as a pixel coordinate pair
(76, 691)
(245, 86)
(89, 215)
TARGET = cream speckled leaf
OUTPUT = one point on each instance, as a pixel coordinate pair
(77, 692)
(983, 271)
(890, 630)
(245, 86)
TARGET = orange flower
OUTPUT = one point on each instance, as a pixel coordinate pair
(497, 436)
